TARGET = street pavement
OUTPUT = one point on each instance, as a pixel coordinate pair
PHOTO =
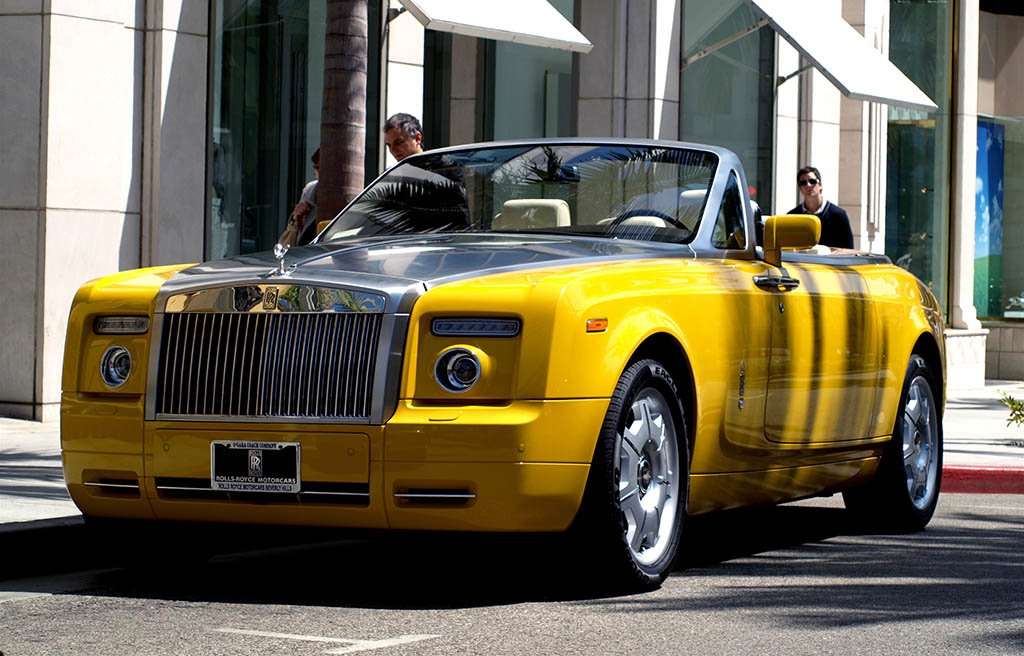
(790, 580)
(794, 579)
(982, 454)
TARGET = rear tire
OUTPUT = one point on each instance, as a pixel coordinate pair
(905, 490)
(630, 523)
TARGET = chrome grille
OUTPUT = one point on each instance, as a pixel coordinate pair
(304, 365)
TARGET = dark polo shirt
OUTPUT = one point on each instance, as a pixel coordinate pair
(835, 225)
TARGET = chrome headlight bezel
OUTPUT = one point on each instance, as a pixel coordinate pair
(452, 366)
(116, 366)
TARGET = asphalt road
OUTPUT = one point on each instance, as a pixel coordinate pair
(791, 580)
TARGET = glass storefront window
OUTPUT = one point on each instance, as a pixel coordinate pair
(918, 173)
(267, 68)
(999, 227)
(529, 89)
(728, 96)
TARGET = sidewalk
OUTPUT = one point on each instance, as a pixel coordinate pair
(981, 454)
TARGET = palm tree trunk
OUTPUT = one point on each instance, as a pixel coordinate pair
(343, 123)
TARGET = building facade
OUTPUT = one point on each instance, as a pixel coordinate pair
(146, 132)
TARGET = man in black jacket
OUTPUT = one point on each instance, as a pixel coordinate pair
(835, 225)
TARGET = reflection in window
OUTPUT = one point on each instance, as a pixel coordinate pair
(999, 227)
(728, 96)
(266, 66)
(917, 206)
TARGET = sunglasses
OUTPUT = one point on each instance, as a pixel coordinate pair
(808, 182)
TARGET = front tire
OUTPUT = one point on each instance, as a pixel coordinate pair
(635, 502)
(905, 490)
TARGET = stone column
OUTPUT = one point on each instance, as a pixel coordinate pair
(465, 62)
(819, 120)
(965, 340)
(22, 197)
(787, 129)
(601, 106)
(629, 82)
(71, 201)
(174, 135)
(103, 134)
(965, 144)
(665, 53)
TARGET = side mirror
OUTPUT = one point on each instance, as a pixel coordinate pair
(789, 231)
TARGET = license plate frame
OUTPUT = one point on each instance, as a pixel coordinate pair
(255, 466)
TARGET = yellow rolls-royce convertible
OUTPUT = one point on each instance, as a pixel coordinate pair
(599, 337)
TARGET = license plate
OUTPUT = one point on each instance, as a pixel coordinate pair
(244, 466)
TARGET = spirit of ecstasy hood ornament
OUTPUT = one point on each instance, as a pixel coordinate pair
(280, 250)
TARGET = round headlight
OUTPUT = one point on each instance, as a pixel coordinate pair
(116, 366)
(457, 370)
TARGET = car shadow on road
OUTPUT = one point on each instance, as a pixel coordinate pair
(789, 561)
(808, 568)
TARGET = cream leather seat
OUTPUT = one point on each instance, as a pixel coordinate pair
(527, 213)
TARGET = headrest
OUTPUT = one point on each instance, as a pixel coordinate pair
(533, 213)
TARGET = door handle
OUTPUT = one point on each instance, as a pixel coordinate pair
(777, 283)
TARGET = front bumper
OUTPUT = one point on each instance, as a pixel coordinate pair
(516, 467)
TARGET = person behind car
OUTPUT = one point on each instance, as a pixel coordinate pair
(835, 224)
(403, 136)
(301, 226)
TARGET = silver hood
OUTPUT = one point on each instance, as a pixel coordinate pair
(403, 267)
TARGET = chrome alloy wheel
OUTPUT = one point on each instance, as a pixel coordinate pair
(648, 476)
(920, 442)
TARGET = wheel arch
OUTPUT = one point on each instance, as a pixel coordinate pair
(928, 348)
(666, 349)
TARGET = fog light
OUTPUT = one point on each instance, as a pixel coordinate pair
(116, 366)
(457, 370)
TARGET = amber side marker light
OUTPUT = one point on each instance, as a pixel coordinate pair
(597, 325)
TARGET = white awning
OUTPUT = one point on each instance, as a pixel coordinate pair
(842, 54)
(532, 22)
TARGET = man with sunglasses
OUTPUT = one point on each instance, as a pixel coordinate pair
(835, 224)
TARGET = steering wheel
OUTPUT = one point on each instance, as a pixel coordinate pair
(646, 211)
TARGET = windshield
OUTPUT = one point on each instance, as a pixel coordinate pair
(627, 192)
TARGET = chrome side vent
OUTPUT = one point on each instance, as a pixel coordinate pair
(120, 487)
(302, 365)
(434, 497)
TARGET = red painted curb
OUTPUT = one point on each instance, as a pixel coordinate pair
(983, 480)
